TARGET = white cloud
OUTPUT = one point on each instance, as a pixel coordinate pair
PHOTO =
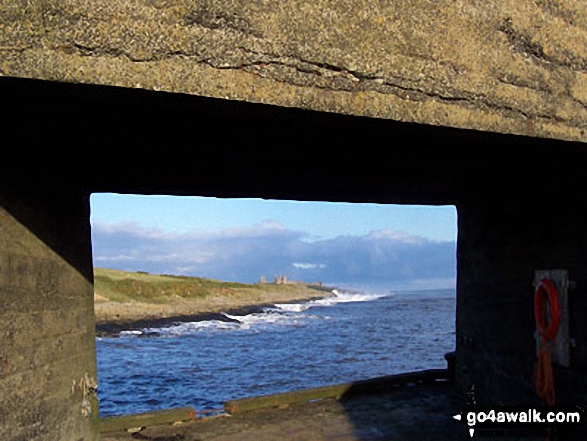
(399, 236)
(299, 265)
(131, 227)
(267, 228)
(113, 258)
(245, 253)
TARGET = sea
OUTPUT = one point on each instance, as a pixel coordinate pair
(346, 337)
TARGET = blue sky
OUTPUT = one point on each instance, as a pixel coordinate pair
(360, 245)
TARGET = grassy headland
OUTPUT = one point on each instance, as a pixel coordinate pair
(123, 297)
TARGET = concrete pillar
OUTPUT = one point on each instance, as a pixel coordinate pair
(502, 241)
(47, 352)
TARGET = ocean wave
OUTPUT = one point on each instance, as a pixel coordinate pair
(283, 314)
(338, 297)
(292, 307)
(270, 318)
(345, 297)
(257, 321)
(183, 329)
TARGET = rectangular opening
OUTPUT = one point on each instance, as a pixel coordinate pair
(203, 300)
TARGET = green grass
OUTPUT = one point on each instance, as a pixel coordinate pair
(125, 286)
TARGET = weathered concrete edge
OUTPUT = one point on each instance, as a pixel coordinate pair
(516, 68)
(191, 77)
(337, 391)
(168, 416)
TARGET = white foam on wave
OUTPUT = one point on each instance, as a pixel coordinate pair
(270, 317)
(284, 314)
(185, 328)
(338, 297)
(133, 332)
(240, 323)
(292, 307)
(345, 297)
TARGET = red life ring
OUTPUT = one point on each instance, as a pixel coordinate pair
(546, 289)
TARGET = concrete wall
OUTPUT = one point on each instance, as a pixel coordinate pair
(503, 238)
(47, 355)
(493, 66)
(519, 201)
(496, 65)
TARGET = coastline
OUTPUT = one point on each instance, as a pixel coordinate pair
(128, 301)
(112, 318)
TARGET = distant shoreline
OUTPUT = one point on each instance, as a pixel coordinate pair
(112, 328)
(128, 301)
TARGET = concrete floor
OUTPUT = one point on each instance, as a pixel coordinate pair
(423, 412)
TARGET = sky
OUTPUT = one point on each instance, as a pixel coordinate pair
(373, 247)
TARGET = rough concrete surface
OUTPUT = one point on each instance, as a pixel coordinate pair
(47, 356)
(502, 66)
(499, 247)
(417, 413)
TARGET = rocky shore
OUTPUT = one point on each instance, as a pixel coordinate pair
(109, 326)
(126, 301)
